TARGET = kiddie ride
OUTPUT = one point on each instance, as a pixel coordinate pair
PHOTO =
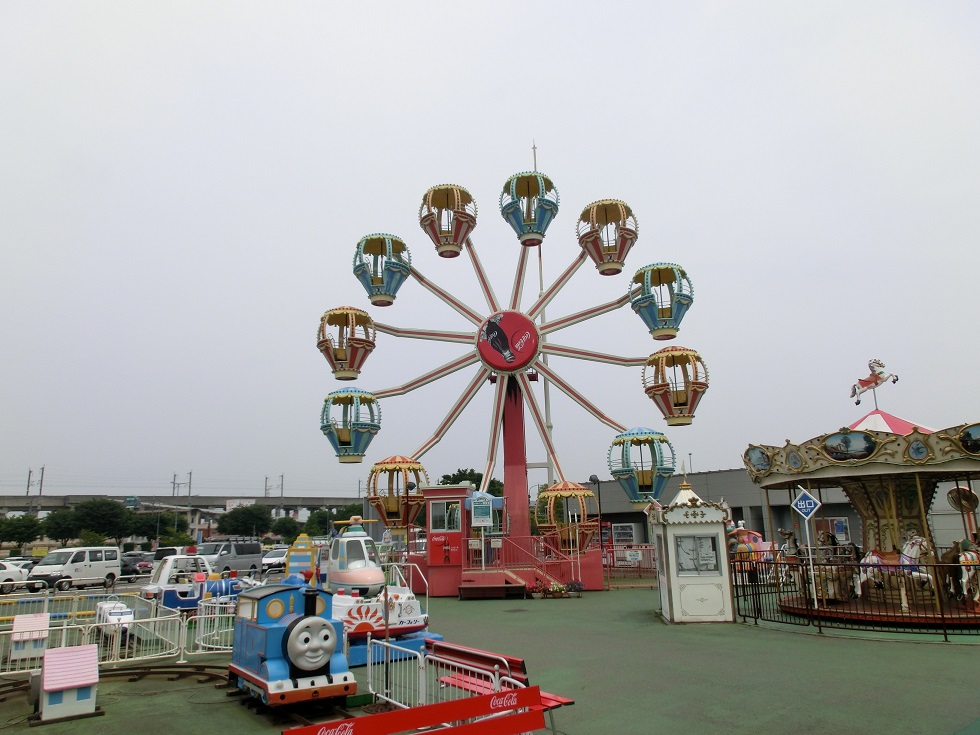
(181, 582)
(288, 651)
(362, 597)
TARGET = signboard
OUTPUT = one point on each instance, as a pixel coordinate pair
(482, 511)
(805, 504)
(238, 503)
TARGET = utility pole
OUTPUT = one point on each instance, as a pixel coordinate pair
(281, 491)
(190, 508)
(40, 490)
(176, 492)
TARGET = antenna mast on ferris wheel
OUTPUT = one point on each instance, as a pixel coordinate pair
(548, 464)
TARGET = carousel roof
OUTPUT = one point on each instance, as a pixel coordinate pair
(881, 421)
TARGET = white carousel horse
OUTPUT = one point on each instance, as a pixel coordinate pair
(969, 563)
(789, 559)
(895, 569)
(876, 378)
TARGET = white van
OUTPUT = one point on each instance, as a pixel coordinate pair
(85, 566)
(232, 556)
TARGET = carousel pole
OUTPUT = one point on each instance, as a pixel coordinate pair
(969, 484)
(927, 533)
(772, 535)
(897, 527)
(963, 521)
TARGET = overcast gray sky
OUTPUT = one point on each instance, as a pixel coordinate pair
(183, 185)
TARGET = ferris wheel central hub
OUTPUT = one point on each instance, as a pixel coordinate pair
(508, 342)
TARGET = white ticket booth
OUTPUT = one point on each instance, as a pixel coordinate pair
(692, 559)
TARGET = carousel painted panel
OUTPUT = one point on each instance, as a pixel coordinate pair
(846, 446)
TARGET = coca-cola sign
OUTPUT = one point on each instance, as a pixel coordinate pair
(344, 728)
(504, 701)
(508, 342)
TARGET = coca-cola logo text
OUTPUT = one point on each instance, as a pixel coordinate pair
(504, 702)
(344, 728)
(519, 345)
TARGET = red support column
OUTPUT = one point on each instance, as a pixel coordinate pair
(515, 461)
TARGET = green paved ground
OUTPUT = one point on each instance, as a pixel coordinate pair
(630, 673)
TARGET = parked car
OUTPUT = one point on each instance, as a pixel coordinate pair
(242, 557)
(10, 574)
(274, 559)
(128, 569)
(146, 563)
(135, 564)
(85, 566)
(25, 562)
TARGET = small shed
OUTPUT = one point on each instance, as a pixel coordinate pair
(69, 683)
(29, 636)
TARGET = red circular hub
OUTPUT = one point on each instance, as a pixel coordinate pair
(508, 342)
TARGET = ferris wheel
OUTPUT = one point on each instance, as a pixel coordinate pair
(508, 344)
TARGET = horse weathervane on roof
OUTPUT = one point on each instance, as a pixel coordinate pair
(876, 378)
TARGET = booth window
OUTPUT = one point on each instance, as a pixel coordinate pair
(697, 556)
(444, 515)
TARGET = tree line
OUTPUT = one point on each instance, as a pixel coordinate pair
(95, 521)
(100, 519)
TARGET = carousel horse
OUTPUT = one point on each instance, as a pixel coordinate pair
(895, 570)
(969, 558)
(876, 378)
(951, 580)
(837, 574)
(789, 556)
(826, 538)
(834, 581)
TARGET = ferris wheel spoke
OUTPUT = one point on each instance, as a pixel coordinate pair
(496, 424)
(447, 297)
(545, 298)
(481, 276)
(466, 338)
(471, 390)
(539, 422)
(569, 391)
(440, 372)
(562, 351)
(567, 321)
(519, 277)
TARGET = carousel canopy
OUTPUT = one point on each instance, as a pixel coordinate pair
(881, 421)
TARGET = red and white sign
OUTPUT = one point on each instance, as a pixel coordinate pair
(508, 342)
(402, 720)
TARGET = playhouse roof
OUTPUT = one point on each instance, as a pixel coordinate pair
(881, 421)
(70, 667)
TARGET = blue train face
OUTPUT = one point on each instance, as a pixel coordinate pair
(310, 643)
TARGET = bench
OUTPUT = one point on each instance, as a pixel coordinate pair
(475, 685)
(510, 666)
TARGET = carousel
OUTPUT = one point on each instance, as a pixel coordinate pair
(891, 471)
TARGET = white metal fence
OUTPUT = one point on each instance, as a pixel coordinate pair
(154, 632)
(411, 679)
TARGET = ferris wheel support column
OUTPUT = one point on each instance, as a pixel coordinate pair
(515, 462)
